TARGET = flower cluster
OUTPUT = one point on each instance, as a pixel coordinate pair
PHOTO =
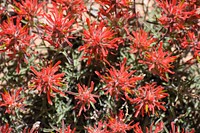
(159, 61)
(15, 40)
(114, 124)
(99, 66)
(175, 13)
(191, 40)
(12, 100)
(47, 81)
(85, 97)
(28, 8)
(99, 41)
(58, 26)
(148, 98)
(75, 7)
(117, 124)
(120, 81)
(119, 13)
(141, 41)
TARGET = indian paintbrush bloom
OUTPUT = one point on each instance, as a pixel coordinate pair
(117, 124)
(141, 41)
(119, 13)
(28, 8)
(47, 81)
(148, 99)
(99, 40)
(58, 26)
(175, 13)
(119, 82)
(75, 7)
(15, 40)
(85, 97)
(12, 100)
(159, 62)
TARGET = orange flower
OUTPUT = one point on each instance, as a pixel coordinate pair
(47, 81)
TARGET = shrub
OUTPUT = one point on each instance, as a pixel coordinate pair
(99, 66)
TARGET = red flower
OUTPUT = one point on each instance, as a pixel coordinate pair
(28, 8)
(137, 128)
(175, 13)
(119, 3)
(158, 62)
(58, 26)
(5, 128)
(99, 40)
(158, 128)
(194, 43)
(116, 9)
(119, 82)
(197, 49)
(117, 124)
(118, 13)
(141, 42)
(191, 40)
(100, 128)
(75, 7)
(14, 39)
(85, 97)
(12, 101)
(148, 98)
(47, 81)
